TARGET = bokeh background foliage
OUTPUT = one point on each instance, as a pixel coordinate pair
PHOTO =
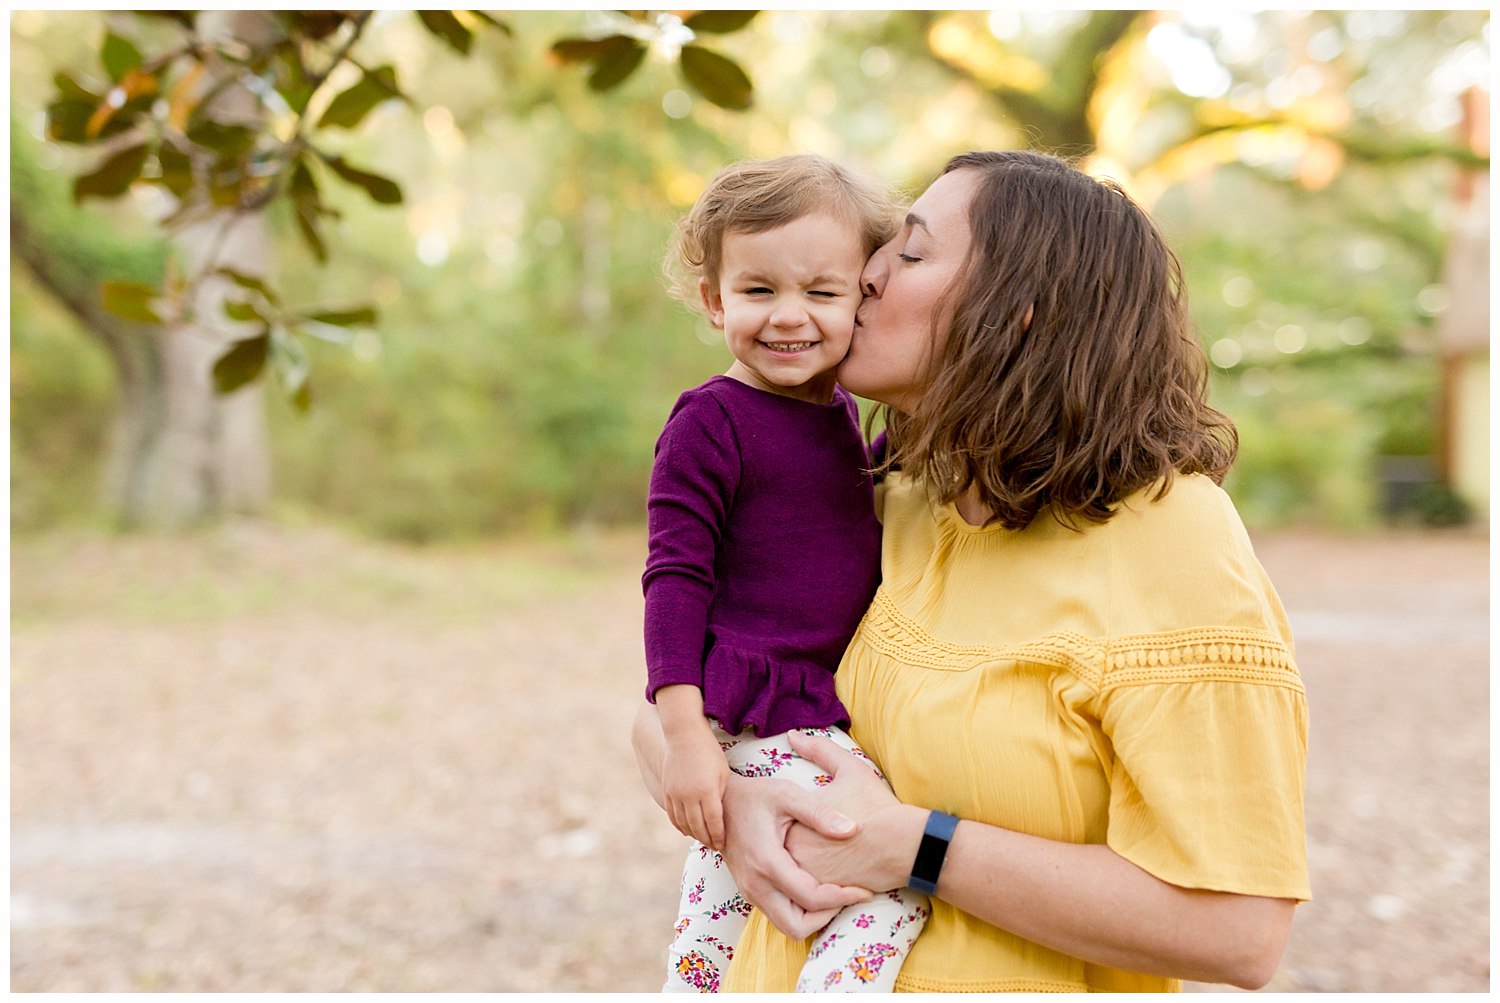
(1303, 164)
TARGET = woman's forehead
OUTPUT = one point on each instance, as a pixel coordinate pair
(945, 203)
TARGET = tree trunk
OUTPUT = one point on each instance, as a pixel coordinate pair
(179, 453)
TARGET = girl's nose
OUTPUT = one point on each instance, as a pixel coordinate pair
(788, 313)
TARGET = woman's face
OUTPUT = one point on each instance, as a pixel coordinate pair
(904, 283)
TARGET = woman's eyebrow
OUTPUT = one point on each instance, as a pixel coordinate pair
(912, 219)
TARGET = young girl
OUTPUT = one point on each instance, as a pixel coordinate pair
(764, 546)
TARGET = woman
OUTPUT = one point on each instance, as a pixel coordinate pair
(1073, 651)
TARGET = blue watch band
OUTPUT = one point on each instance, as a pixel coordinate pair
(930, 853)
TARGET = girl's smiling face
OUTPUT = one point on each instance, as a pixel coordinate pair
(785, 301)
(905, 283)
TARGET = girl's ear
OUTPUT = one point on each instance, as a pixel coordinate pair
(713, 302)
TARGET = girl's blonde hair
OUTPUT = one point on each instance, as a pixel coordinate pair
(759, 195)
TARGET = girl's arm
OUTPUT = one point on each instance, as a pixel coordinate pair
(694, 772)
(1084, 900)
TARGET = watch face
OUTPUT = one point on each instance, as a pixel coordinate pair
(930, 853)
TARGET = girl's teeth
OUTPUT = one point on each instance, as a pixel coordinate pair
(797, 347)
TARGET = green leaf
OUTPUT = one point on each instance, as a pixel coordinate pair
(230, 140)
(492, 22)
(68, 121)
(247, 282)
(349, 108)
(617, 64)
(359, 317)
(290, 359)
(131, 300)
(71, 90)
(182, 17)
(114, 177)
(444, 25)
(176, 170)
(291, 77)
(119, 56)
(717, 78)
(718, 22)
(584, 50)
(242, 310)
(242, 363)
(381, 189)
(306, 208)
(292, 367)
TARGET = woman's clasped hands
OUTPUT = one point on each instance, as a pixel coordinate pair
(800, 857)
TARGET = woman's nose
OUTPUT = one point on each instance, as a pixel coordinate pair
(877, 270)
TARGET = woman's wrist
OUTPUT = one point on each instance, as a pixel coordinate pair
(897, 830)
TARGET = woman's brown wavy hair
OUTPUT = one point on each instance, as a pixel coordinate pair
(1103, 393)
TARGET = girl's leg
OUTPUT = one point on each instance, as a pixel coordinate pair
(711, 915)
(710, 918)
(862, 948)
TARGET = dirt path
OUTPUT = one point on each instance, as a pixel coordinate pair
(284, 760)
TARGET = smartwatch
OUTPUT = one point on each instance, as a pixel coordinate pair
(930, 853)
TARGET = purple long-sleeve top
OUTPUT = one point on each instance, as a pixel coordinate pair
(764, 552)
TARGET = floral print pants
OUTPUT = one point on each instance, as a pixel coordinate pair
(860, 950)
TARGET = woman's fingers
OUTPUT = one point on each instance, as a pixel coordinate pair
(823, 752)
(713, 823)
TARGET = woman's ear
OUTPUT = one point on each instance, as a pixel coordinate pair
(713, 302)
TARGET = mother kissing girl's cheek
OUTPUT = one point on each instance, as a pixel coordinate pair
(1073, 651)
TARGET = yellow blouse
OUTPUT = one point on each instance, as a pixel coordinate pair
(1131, 684)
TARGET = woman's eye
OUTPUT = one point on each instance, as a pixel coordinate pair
(906, 257)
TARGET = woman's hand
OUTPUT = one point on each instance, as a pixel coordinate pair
(694, 775)
(759, 813)
(879, 854)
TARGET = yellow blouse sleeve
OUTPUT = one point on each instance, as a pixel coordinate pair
(1209, 737)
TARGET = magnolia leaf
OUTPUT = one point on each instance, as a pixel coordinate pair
(114, 177)
(306, 208)
(131, 300)
(480, 15)
(176, 170)
(182, 17)
(718, 22)
(68, 121)
(349, 108)
(716, 77)
(242, 363)
(358, 317)
(247, 282)
(381, 189)
(221, 137)
(71, 90)
(242, 310)
(444, 25)
(617, 64)
(318, 24)
(119, 56)
(567, 51)
(291, 77)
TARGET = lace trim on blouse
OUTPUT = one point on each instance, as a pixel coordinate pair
(1224, 654)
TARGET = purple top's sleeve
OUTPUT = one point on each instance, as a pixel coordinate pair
(693, 482)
